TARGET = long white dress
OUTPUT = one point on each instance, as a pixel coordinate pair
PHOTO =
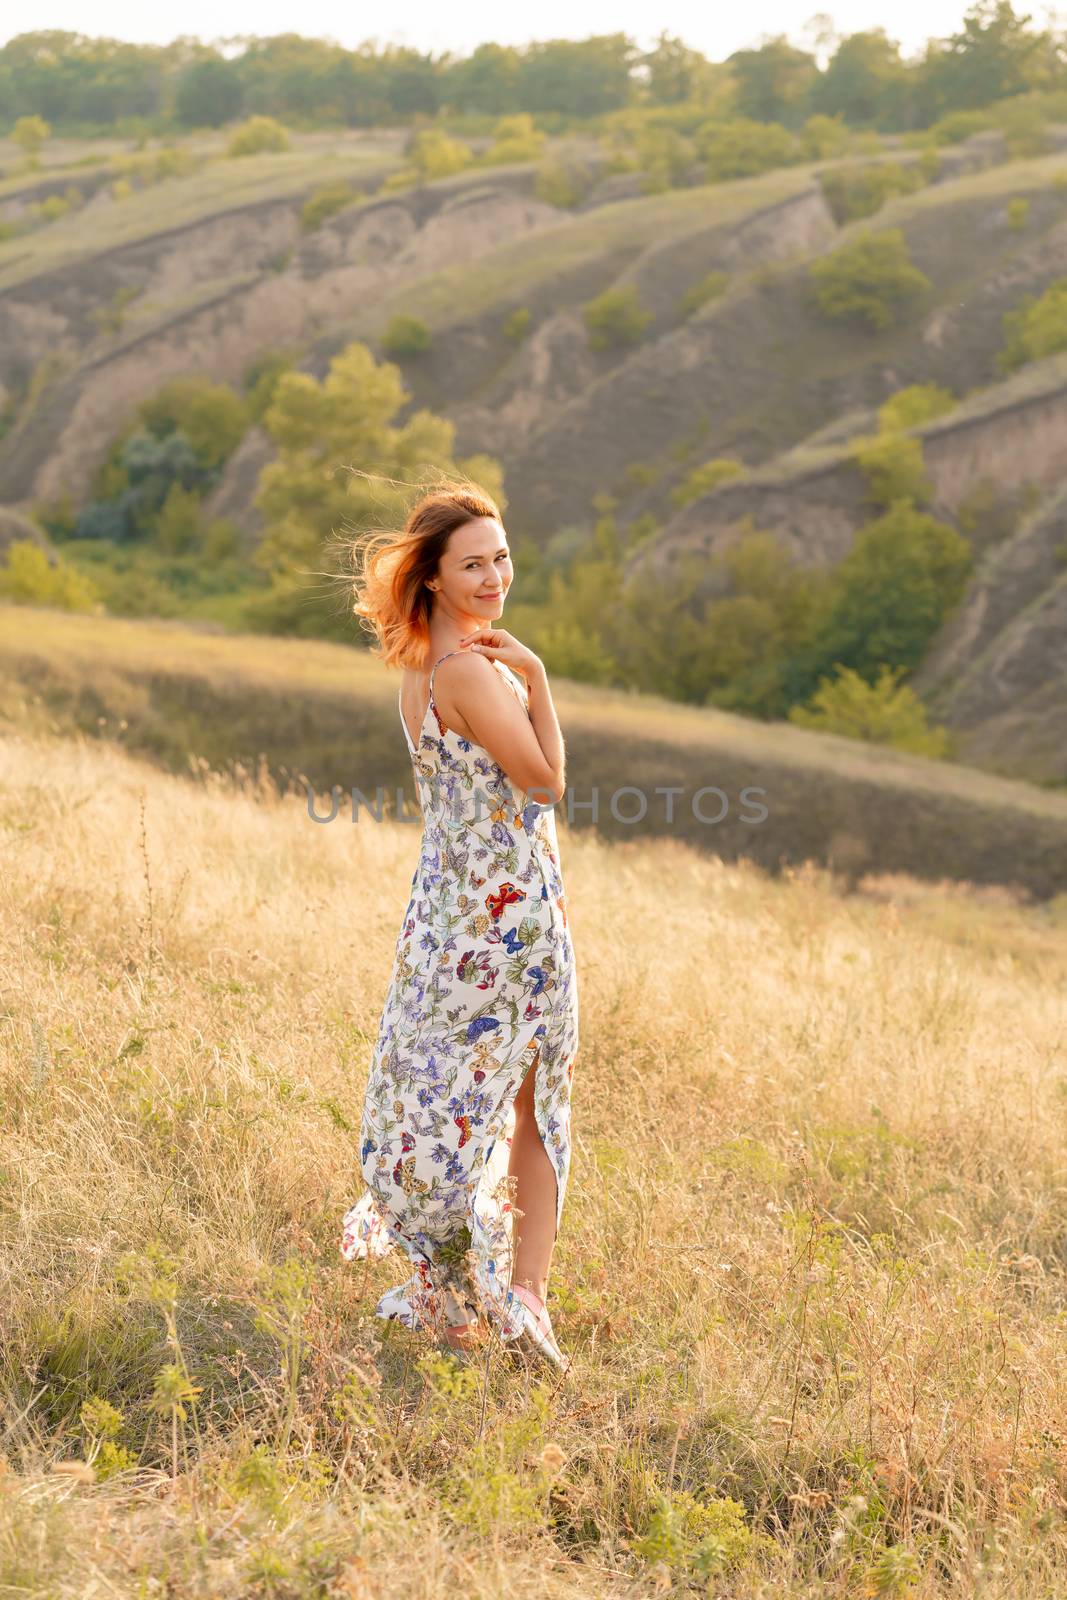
(483, 987)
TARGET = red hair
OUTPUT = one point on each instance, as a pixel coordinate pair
(389, 588)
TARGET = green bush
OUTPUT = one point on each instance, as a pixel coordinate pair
(434, 155)
(707, 288)
(53, 208)
(891, 593)
(742, 148)
(405, 336)
(867, 281)
(1036, 328)
(560, 183)
(615, 318)
(515, 138)
(823, 136)
(959, 125)
(517, 325)
(28, 578)
(326, 202)
(1017, 211)
(884, 712)
(261, 380)
(892, 465)
(918, 403)
(257, 134)
(703, 479)
(860, 191)
(30, 133)
(208, 415)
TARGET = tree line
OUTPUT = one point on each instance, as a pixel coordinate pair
(76, 82)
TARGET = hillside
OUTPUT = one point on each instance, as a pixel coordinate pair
(301, 712)
(810, 1268)
(209, 271)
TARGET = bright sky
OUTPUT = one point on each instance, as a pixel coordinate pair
(460, 25)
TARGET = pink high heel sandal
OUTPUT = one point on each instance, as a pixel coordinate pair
(536, 1336)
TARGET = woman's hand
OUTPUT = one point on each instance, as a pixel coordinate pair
(497, 644)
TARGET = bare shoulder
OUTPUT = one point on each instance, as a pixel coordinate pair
(463, 683)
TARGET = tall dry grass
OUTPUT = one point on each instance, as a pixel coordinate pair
(812, 1265)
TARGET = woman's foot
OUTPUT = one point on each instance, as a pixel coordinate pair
(536, 1336)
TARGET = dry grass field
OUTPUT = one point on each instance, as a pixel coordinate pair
(811, 1270)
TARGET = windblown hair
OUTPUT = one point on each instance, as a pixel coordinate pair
(391, 569)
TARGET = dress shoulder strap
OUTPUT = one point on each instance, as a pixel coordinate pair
(437, 663)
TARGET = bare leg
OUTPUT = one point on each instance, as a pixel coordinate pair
(535, 1197)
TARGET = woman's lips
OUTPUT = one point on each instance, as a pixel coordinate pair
(487, 596)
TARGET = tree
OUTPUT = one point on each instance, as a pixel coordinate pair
(890, 594)
(578, 78)
(676, 74)
(209, 416)
(486, 81)
(884, 712)
(865, 82)
(773, 83)
(867, 281)
(209, 93)
(30, 133)
(1036, 328)
(322, 429)
(992, 56)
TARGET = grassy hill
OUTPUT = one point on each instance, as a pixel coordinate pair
(323, 713)
(811, 1261)
(207, 272)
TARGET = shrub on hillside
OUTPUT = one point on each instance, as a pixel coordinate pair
(180, 437)
(515, 138)
(405, 336)
(918, 403)
(1037, 327)
(30, 133)
(257, 134)
(860, 191)
(326, 202)
(434, 155)
(823, 136)
(703, 479)
(517, 324)
(890, 594)
(956, 126)
(883, 712)
(701, 293)
(1016, 213)
(261, 380)
(28, 578)
(208, 415)
(560, 183)
(868, 281)
(615, 317)
(742, 148)
(893, 468)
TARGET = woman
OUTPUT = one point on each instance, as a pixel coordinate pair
(465, 1140)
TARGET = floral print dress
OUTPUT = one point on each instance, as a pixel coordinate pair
(483, 988)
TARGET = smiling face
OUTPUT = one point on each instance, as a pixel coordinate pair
(475, 573)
